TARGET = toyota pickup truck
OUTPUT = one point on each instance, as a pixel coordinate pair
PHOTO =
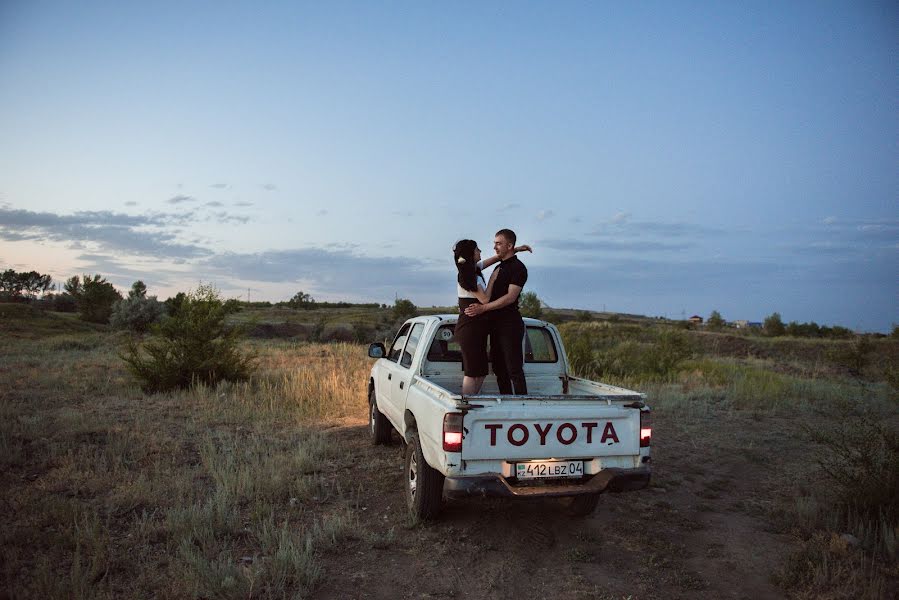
(569, 437)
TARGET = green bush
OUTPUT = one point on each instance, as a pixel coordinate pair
(137, 312)
(192, 346)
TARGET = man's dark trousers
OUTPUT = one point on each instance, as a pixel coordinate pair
(506, 337)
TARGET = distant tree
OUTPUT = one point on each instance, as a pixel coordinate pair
(138, 290)
(10, 284)
(302, 300)
(174, 303)
(25, 285)
(73, 287)
(895, 333)
(137, 312)
(773, 325)
(96, 299)
(715, 321)
(404, 309)
(64, 302)
(583, 316)
(529, 305)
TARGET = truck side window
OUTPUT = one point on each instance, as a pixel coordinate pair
(539, 346)
(412, 345)
(398, 343)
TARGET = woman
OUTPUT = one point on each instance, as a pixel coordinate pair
(471, 332)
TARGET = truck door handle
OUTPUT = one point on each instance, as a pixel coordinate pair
(389, 376)
(401, 384)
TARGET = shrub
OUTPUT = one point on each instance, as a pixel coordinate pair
(193, 346)
(363, 333)
(860, 457)
(137, 312)
(317, 333)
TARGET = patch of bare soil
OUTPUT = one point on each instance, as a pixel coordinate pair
(696, 532)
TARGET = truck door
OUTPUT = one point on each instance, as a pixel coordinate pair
(397, 375)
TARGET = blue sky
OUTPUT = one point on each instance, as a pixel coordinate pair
(662, 158)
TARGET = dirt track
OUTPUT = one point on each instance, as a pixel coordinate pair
(692, 534)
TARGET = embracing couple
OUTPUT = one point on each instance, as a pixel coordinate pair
(491, 309)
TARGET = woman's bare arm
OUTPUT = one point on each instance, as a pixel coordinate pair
(495, 259)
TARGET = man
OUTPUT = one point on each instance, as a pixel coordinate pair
(506, 324)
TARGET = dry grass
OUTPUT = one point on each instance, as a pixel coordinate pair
(229, 491)
(207, 492)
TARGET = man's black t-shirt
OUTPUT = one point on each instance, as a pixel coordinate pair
(509, 272)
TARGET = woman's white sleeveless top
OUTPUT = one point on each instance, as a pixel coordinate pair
(463, 293)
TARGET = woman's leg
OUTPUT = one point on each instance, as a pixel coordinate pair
(471, 385)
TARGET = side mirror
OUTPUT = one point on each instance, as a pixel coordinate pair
(377, 350)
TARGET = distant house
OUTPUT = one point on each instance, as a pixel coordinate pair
(696, 320)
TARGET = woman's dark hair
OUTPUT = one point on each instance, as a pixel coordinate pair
(467, 267)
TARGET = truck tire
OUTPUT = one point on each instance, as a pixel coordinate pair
(378, 425)
(424, 484)
(581, 506)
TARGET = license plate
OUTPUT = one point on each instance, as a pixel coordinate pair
(549, 468)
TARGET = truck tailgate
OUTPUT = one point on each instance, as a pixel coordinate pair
(534, 429)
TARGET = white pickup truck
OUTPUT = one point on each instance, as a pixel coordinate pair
(569, 437)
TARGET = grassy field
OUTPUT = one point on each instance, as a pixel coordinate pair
(249, 491)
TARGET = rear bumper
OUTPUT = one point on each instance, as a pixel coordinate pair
(607, 480)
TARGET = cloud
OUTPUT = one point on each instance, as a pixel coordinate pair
(655, 228)
(612, 245)
(829, 220)
(269, 187)
(321, 213)
(110, 231)
(335, 271)
(131, 203)
(243, 204)
(509, 206)
(544, 215)
(403, 213)
(620, 217)
(224, 217)
(214, 203)
(219, 186)
(181, 199)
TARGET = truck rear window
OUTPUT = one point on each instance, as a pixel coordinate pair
(538, 347)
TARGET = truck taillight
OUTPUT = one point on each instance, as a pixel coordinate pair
(452, 432)
(645, 428)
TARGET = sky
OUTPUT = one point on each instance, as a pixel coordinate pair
(662, 158)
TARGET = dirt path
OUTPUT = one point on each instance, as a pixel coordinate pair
(692, 534)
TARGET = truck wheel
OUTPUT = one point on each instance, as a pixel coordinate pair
(424, 484)
(378, 425)
(581, 506)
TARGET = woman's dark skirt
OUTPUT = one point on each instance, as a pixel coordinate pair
(471, 335)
